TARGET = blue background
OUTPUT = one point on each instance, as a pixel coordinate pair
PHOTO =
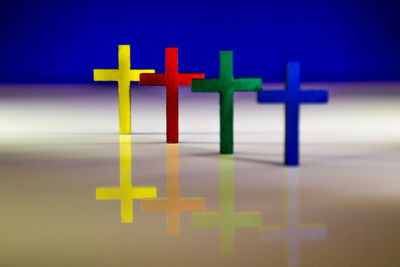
(63, 41)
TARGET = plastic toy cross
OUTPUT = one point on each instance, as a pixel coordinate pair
(293, 232)
(126, 193)
(226, 85)
(227, 219)
(293, 96)
(173, 204)
(171, 79)
(124, 75)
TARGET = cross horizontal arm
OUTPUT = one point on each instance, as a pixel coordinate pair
(105, 193)
(153, 79)
(314, 96)
(106, 75)
(191, 204)
(186, 78)
(272, 96)
(274, 235)
(208, 85)
(208, 219)
(247, 219)
(156, 205)
(144, 192)
(317, 233)
(248, 84)
(135, 74)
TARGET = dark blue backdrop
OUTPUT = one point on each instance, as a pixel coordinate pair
(62, 41)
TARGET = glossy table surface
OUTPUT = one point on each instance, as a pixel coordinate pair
(67, 180)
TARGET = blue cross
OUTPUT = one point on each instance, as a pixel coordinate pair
(293, 97)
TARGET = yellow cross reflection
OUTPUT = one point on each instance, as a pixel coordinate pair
(173, 204)
(292, 231)
(227, 219)
(123, 75)
(126, 193)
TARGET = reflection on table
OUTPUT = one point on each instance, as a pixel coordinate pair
(173, 204)
(292, 231)
(125, 193)
(227, 219)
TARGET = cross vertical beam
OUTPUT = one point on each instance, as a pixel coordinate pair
(292, 97)
(226, 122)
(124, 75)
(226, 85)
(172, 105)
(171, 79)
(292, 115)
(173, 204)
(226, 220)
(125, 193)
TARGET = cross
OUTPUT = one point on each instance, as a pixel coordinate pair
(126, 193)
(171, 79)
(226, 85)
(173, 204)
(124, 75)
(227, 219)
(293, 96)
(293, 232)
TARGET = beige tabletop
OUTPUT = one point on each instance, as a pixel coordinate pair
(75, 193)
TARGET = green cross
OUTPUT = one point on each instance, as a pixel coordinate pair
(226, 85)
(227, 219)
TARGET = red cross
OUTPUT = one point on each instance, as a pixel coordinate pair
(171, 79)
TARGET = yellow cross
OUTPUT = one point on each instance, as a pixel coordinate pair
(124, 75)
(126, 193)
